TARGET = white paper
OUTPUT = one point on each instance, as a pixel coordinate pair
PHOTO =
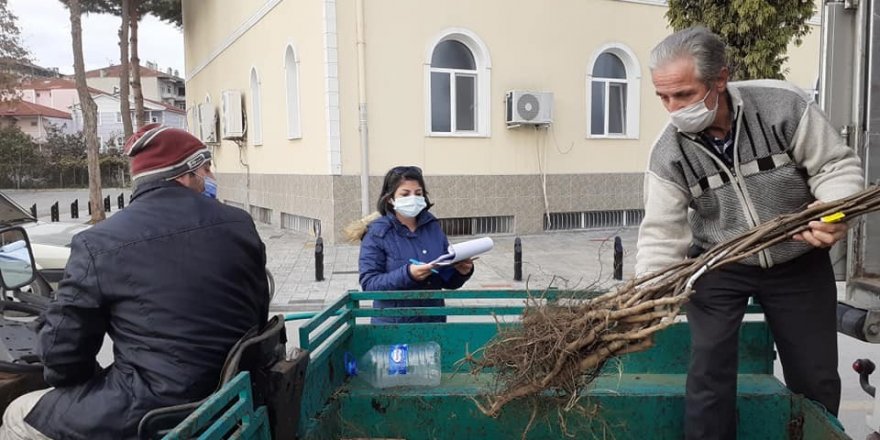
(464, 250)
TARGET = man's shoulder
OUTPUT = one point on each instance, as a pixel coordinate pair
(232, 212)
(770, 90)
(144, 221)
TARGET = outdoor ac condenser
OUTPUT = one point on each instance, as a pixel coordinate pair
(207, 122)
(233, 123)
(529, 108)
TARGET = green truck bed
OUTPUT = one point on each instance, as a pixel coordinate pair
(639, 396)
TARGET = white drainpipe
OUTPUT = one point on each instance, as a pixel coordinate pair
(362, 110)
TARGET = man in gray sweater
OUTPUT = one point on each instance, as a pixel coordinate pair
(735, 155)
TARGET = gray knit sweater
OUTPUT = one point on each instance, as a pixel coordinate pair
(786, 155)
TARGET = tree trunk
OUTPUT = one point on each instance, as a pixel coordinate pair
(90, 113)
(124, 76)
(134, 12)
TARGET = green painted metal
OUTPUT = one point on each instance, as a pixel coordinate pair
(618, 407)
(228, 413)
(638, 396)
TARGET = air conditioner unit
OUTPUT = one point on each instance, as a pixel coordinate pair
(233, 123)
(207, 122)
(529, 108)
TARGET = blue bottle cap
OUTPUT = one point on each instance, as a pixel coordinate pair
(350, 364)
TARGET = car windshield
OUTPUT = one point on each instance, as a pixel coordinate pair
(12, 213)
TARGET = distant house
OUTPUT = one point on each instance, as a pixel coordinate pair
(26, 70)
(165, 87)
(58, 93)
(110, 131)
(35, 119)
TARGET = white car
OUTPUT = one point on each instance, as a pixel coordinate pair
(50, 242)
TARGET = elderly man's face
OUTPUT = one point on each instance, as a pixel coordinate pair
(677, 85)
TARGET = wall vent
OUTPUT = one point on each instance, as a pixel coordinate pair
(570, 221)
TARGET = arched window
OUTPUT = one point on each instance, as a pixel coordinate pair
(613, 93)
(256, 118)
(458, 78)
(291, 79)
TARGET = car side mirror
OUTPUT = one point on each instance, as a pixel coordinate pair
(17, 268)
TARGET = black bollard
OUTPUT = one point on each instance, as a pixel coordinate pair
(74, 209)
(89, 204)
(517, 259)
(34, 210)
(53, 212)
(120, 201)
(618, 258)
(107, 204)
(319, 259)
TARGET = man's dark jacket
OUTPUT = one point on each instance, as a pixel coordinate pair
(175, 279)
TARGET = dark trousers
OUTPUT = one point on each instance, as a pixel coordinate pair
(799, 299)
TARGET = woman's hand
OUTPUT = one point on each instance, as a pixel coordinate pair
(465, 267)
(420, 272)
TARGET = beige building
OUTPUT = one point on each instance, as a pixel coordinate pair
(336, 93)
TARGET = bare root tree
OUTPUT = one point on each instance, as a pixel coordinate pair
(562, 346)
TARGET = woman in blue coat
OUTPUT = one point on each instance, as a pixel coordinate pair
(402, 234)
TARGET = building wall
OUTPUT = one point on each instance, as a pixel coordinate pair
(37, 126)
(59, 99)
(262, 47)
(111, 129)
(29, 125)
(149, 86)
(502, 173)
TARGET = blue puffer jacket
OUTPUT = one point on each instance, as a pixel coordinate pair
(384, 263)
(175, 279)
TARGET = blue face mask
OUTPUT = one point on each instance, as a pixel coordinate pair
(210, 187)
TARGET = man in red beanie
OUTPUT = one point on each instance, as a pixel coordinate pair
(164, 153)
(174, 279)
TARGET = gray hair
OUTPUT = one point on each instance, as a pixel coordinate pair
(699, 43)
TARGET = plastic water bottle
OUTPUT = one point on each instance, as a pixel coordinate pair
(398, 365)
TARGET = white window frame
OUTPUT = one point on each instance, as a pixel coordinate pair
(256, 117)
(633, 91)
(118, 117)
(483, 62)
(292, 95)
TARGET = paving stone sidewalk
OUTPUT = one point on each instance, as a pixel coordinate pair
(576, 260)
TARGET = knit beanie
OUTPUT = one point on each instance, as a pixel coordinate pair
(163, 153)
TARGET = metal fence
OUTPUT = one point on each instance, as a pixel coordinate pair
(300, 223)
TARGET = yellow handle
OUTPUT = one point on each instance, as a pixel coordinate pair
(833, 218)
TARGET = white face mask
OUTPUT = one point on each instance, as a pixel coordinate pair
(695, 117)
(409, 206)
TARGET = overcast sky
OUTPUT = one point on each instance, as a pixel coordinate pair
(45, 31)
